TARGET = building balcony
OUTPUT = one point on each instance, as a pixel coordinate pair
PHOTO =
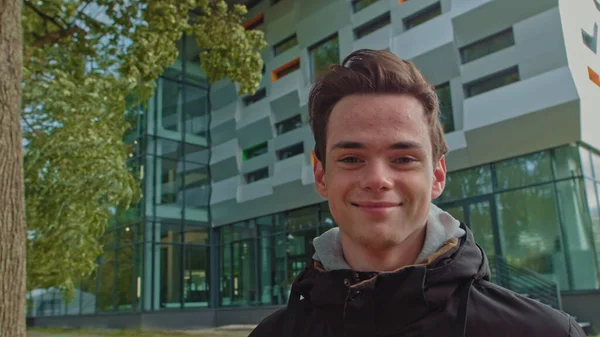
(254, 124)
(225, 190)
(255, 190)
(289, 170)
(525, 116)
(224, 161)
(430, 35)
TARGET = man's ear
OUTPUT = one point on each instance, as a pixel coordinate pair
(439, 178)
(319, 172)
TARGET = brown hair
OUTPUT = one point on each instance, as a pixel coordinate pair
(373, 71)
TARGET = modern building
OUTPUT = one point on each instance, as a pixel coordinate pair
(230, 208)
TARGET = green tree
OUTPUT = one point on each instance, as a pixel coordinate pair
(86, 64)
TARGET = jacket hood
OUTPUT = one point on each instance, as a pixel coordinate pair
(422, 287)
(441, 227)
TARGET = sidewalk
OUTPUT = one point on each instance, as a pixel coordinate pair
(225, 331)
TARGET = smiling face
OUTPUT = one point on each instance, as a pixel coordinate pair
(379, 174)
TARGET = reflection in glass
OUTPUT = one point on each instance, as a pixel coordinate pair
(577, 229)
(480, 221)
(531, 233)
(196, 273)
(523, 171)
(324, 54)
(170, 268)
(567, 162)
(171, 93)
(467, 183)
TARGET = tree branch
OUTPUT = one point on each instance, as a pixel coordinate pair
(36, 132)
(42, 14)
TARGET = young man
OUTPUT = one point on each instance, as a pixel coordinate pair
(396, 265)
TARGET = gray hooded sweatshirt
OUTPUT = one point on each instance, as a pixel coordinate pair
(441, 227)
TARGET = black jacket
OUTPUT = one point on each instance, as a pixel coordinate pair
(450, 296)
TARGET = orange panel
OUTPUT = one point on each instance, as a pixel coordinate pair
(276, 74)
(594, 77)
(260, 17)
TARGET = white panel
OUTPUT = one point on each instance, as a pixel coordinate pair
(536, 93)
(427, 36)
(224, 190)
(224, 151)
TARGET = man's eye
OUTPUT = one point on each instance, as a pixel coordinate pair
(404, 160)
(349, 160)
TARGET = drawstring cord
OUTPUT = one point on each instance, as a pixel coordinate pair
(463, 306)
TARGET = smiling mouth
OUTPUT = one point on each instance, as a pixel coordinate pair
(375, 205)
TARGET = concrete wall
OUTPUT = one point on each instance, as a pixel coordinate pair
(585, 305)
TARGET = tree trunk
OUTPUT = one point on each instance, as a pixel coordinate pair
(12, 201)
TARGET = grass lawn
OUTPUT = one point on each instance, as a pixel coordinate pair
(51, 332)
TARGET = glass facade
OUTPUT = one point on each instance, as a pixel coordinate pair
(539, 211)
(535, 210)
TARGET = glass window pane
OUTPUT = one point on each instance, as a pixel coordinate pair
(458, 212)
(171, 97)
(169, 232)
(524, 171)
(423, 16)
(577, 228)
(245, 291)
(567, 162)
(586, 162)
(467, 183)
(125, 278)
(480, 221)
(170, 269)
(226, 279)
(107, 282)
(196, 276)
(302, 218)
(88, 294)
(196, 235)
(195, 109)
(531, 235)
(289, 124)
(492, 82)
(596, 164)
(487, 46)
(300, 251)
(324, 54)
(170, 182)
(358, 5)
(243, 230)
(446, 112)
(373, 25)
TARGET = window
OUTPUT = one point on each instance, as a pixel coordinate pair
(289, 125)
(285, 69)
(257, 175)
(290, 151)
(446, 113)
(252, 3)
(255, 22)
(423, 16)
(487, 46)
(323, 54)
(260, 94)
(372, 26)
(358, 5)
(255, 151)
(492, 82)
(287, 43)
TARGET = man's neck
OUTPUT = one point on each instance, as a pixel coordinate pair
(361, 258)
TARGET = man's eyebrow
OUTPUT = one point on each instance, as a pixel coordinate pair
(348, 145)
(404, 145)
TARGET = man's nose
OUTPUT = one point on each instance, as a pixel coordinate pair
(377, 176)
